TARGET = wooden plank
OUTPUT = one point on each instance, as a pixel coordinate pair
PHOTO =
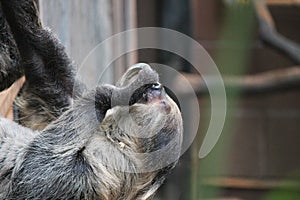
(81, 26)
(118, 18)
(283, 2)
(261, 83)
(247, 183)
(131, 42)
(124, 18)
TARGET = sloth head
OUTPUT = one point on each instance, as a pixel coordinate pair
(151, 123)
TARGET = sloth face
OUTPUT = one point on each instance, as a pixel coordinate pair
(150, 122)
(140, 142)
(146, 132)
(150, 108)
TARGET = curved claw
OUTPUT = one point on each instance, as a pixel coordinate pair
(137, 72)
(134, 78)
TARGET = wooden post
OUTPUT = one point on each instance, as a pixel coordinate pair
(124, 18)
(81, 26)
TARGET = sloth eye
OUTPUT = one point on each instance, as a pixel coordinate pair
(145, 96)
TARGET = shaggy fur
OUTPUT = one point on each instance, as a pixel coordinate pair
(10, 69)
(89, 153)
(114, 142)
(50, 84)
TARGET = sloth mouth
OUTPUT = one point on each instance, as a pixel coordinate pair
(148, 93)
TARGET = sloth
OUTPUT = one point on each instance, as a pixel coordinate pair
(113, 142)
(98, 148)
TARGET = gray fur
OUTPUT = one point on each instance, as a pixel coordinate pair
(112, 143)
(78, 157)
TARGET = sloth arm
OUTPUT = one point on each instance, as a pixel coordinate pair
(50, 84)
(10, 69)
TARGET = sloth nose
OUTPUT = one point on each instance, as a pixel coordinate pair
(156, 86)
(149, 93)
(158, 91)
(155, 91)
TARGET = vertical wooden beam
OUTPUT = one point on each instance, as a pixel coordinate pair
(131, 42)
(81, 26)
(118, 22)
(124, 18)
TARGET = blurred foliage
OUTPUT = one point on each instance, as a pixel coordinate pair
(231, 58)
(283, 195)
